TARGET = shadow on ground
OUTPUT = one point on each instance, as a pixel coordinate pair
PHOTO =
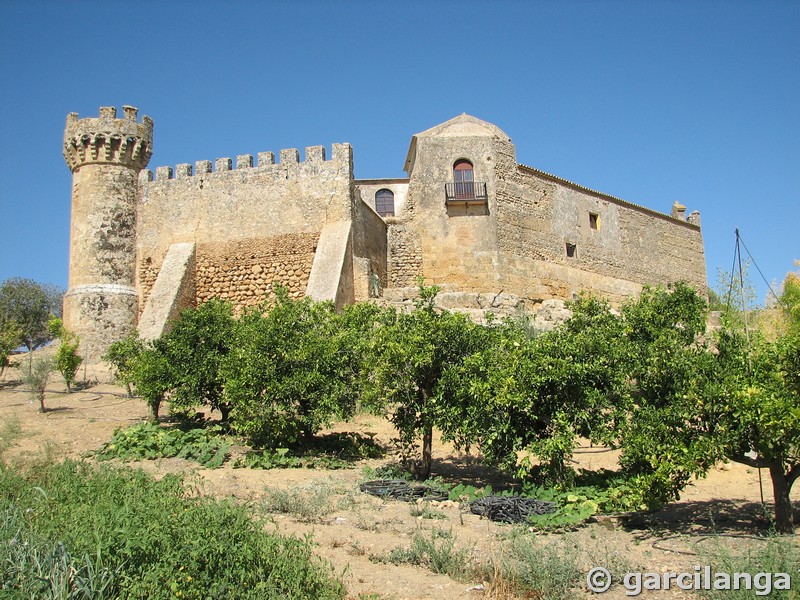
(706, 518)
(469, 470)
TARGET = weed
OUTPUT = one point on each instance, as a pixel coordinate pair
(146, 539)
(774, 554)
(10, 430)
(436, 552)
(356, 549)
(424, 511)
(308, 503)
(329, 451)
(549, 568)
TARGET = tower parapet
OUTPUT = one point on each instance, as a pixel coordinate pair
(105, 155)
(106, 139)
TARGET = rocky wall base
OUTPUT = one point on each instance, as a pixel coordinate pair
(99, 315)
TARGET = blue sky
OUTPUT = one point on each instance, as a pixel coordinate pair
(649, 101)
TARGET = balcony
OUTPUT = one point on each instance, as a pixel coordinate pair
(466, 192)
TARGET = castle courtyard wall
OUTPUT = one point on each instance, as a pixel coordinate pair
(253, 225)
(629, 246)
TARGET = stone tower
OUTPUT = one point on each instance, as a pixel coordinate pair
(105, 155)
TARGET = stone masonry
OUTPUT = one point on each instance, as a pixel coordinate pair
(495, 235)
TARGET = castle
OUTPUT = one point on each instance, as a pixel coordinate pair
(494, 234)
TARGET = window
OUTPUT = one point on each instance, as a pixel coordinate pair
(571, 250)
(594, 221)
(384, 203)
(464, 179)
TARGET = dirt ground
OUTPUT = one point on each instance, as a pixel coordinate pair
(359, 525)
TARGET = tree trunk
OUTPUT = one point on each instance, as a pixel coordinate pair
(427, 446)
(128, 385)
(225, 410)
(154, 406)
(784, 522)
(41, 401)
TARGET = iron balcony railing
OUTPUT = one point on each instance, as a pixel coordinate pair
(466, 191)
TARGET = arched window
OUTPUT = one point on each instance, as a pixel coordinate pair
(384, 203)
(464, 179)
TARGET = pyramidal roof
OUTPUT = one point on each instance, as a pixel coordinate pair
(463, 125)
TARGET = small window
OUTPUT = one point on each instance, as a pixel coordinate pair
(594, 221)
(571, 250)
(384, 203)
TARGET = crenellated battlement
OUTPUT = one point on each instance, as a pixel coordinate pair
(289, 157)
(108, 140)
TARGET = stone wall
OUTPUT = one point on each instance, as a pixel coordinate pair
(517, 243)
(367, 188)
(448, 244)
(253, 225)
(617, 246)
(369, 250)
(246, 272)
(404, 254)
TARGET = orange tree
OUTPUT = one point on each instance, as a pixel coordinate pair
(291, 370)
(410, 356)
(534, 396)
(759, 415)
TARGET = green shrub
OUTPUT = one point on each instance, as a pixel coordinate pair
(67, 360)
(197, 343)
(156, 539)
(436, 551)
(122, 355)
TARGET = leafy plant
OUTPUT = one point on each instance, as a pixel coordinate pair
(122, 355)
(196, 345)
(411, 355)
(153, 374)
(67, 360)
(331, 451)
(148, 441)
(29, 305)
(10, 338)
(533, 397)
